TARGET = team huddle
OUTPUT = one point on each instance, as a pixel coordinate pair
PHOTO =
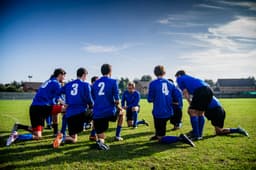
(99, 103)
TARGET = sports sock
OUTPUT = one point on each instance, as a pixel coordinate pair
(93, 132)
(118, 130)
(49, 120)
(64, 125)
(135, 118)
(169, 139)
(201, 122)
(141, 122)
(55, 128)
(24, 137)
(233, 130)
(195, 125)
(24, 127)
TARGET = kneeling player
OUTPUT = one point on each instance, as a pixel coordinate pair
(78, 98)
(216, 114)
(42, 106)
(130, 102)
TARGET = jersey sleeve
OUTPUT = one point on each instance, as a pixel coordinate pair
(89, 96)
(137, 99)
(123, 99)
(115, 91)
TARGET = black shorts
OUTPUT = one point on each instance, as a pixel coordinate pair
(160, 126)
(177, 115)
(101, 125)
(129, 115)
(216, 115)
(38, 115)
(76, 123)
(201, 98)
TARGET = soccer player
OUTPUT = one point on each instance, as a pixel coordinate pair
(202, 96)
(92, 136)
(130, 102)
(177, 109)
(106, 106)
(161, 94)
(78, 99)
(216, 113)
(43, 104)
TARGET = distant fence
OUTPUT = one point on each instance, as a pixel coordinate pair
(16, 95)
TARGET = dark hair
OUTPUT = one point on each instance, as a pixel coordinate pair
(81, 71)
(94, 78)
(57, 72)
(171, 80)
(159, 70)
(105, 69)
(180, 73)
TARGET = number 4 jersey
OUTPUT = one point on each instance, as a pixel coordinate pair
(105, 93)
(78, 97)
(161, 93)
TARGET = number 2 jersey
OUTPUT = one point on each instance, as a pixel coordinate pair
(105, 93)
(78, 97)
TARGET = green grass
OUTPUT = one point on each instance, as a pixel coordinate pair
(136, 151)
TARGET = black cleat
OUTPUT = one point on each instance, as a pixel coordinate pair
(242, 131)
(145, 122)
(186, 140)
(102, 146)
(154, 138)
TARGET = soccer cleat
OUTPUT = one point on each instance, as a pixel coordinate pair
(192, 137)
(58, 140)
(92, 138)
(190, 134)
(102, 146)
(186, 140)
(12, 138)
(242, 131)
(145, 122)
(154, 138)
(15, 127)
(118, 138)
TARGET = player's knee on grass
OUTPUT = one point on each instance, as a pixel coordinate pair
(129, 123)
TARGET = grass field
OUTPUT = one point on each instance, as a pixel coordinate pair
(136, 151)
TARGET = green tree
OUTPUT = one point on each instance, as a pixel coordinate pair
(146, 78)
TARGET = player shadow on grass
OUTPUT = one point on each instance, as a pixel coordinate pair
(85, 151)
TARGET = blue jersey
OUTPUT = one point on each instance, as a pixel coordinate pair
(179, 95)
(105, 93)
(214, 103)
(161, 93)
(78, 97)
(190, 83)
(48, 93)
(130, 99)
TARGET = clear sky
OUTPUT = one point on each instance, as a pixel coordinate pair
(209, 39)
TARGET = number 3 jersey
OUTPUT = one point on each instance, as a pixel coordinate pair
(105, 93)
(161, 93)
(78, 97)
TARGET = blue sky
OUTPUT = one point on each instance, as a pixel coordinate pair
(207, 38)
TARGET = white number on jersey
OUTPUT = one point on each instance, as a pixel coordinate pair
(74, 90)
(101, 86)
(165, 89)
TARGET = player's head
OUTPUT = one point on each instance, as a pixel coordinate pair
(180, 73)
(106, 69)
(94, 78)
(81, 73)
(59, 74)
(131, 86)
(159, 70)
